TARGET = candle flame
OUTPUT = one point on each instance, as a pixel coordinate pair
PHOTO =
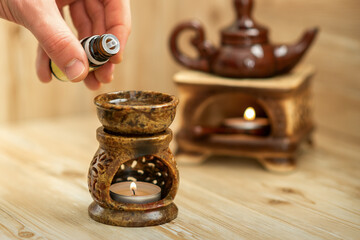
(133, 187)
(249, 114)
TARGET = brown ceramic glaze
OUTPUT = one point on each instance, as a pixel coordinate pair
(136, 112)
(129, 157)
(245, 50)
(207, 102)
(143, 218)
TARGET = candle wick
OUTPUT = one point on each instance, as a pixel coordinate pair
(133, 190)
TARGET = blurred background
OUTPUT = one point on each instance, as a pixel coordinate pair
(148, 64)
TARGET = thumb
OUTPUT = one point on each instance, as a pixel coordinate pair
(58, 41)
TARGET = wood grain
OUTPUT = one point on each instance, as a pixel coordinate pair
(43, 163)
(148, 65)
(44, 195)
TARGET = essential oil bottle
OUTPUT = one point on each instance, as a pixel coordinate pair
(98, 49)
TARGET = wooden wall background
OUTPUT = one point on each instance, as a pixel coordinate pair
(148, 64)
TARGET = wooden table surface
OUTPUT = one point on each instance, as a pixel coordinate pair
(44, 194)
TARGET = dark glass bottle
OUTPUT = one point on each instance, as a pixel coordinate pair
(98, 49)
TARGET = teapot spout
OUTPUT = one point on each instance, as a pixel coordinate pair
(287, 56)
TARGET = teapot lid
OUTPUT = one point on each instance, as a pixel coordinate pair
(244, 31)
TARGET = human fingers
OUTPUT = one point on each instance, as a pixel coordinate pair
(91, 82)
(81, 19)
(55, 38)
(96, 11)
(118, 23)
(42, 65)
(105, 73)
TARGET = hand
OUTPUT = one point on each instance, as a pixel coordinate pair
(90, 17)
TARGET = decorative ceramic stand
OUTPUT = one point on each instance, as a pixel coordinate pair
(140, 154)
(207, 100)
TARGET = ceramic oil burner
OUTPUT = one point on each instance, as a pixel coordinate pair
(245, 50)
(267, 119)
(134, 148)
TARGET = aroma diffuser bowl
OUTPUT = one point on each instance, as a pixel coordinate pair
(121, 158)
(136, 112)
(134, 150)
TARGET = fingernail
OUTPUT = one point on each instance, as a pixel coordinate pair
(74, 69)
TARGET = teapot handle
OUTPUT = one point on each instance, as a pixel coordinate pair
(204, 48)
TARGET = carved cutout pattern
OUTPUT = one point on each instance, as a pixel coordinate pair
(98, 166)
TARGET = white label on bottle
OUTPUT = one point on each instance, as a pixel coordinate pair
(88, 54)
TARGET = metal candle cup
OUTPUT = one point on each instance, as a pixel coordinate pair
(249, 124)
(145, 192)
(239, 123)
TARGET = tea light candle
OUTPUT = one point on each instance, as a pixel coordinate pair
(248, 122)
(249, 125)
(131, 192)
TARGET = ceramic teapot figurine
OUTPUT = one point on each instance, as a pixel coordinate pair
(245, 51)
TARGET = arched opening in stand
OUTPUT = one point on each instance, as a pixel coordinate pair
(148, 169)
(231, 114)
